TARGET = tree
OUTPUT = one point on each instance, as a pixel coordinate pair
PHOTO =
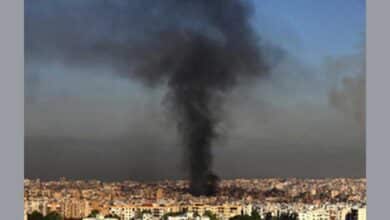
(94, 213)
(53, 216)
(210, 215)
(268, 216)
(294, 216)
(288, 216)
(138, 214)
(112, 216)
(255, 215)
(35, 215)
(242, 217)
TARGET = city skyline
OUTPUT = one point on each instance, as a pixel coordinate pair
(310, 199)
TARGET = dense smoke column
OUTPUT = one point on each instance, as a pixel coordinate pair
(201, 67)
(197, 127)
(200, 49)
(206, 72)
(195, 86)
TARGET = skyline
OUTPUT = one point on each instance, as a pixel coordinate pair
(75, 114)
(331, 198)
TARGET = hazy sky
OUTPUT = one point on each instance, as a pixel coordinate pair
(87, 121)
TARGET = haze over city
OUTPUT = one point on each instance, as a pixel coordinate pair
(304, 119)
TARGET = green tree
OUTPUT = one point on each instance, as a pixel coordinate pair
(268, 216)
(255, 215)
(288, 216)
(242, 217)
(210, 215)
(112, 216)
(53, 216)
(294, 216)
(94, 213)
(138, 214)
(35, 215)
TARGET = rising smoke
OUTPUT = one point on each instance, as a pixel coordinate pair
(349, 93)
(200, 66)
(350, 98)
(199, 49)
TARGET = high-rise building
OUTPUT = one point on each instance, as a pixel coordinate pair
(74, 208)
(37, 204)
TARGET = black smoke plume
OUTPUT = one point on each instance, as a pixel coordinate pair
(200, 49)
(200, 67)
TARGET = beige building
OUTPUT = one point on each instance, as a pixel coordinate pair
(37, 204)
(75, 208)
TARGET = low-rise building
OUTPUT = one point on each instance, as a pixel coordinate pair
(318, 214)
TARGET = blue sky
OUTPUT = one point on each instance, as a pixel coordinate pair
(315, 28)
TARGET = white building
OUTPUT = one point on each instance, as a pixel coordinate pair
(187, 216)
(362, 213)
(247, 209)
(318, 214)
(147, 216)
(179, 217)
(125, 213)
